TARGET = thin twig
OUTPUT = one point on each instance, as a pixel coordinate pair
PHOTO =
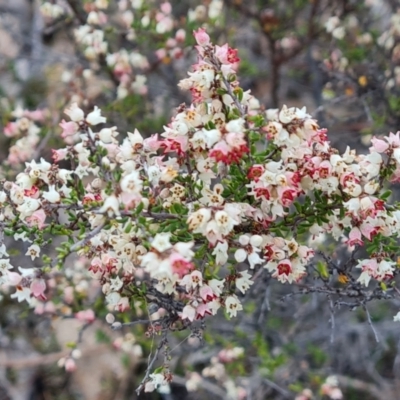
(152, 360)
(276, 387)
(332, 320)
(265, 306)
(81, 331)
(332, 102)
(117, 326)
(89, 236)
(371, 324)
(42, 145)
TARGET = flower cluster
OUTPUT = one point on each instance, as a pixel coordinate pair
(129, 68)
(216, 370)
(25, 131)
(330, 389)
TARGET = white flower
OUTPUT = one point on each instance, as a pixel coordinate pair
(64, 175)
(287, 115)
(353, 190)
(235, 126)
(212, 197)
(224, 222)
(152, 264)
(95, 118)
(135, 138)
(3, 250)
(108, 135)
(81, 171)
(251, 250)
(332, 23)
(28, 207)
(156, 380)
(132, 183)
(221, 253)
(184, 249)
(139, 84)
(27, 271)
(216, 286)
(193, 280)
(233, 305)
(371, 187)
(212, 137)
(194, 382)
(33, 251)
(198, 220)
(198, 140)
(110, 318)
(240, 255)
(254, 258)
(66, 191)
(396, 318)
(154, 174)
(188, 312)
(256, 240)
(385, 268)
(116, 284)
(244, 240)
(339, 32)
(93, 18)
(52, 196)
(24, 181)
(243, 282)
(396, 154)
(110, 206)
(113, 298)
(75, 113)
(5, 265)
(161, 242)
(364, 278)
(21, 294)
(22, 236)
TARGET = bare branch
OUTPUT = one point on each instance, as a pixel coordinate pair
(371, 324)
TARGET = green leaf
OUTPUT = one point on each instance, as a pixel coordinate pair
(298, 207)
(386, 195)
(209, 126)
(221, 91)
(81, 188)
(139, 208)
(239, 93)
(322, 269)
(128, 227)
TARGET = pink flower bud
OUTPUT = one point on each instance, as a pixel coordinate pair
(70, 365)
(85, 316)
(38, 287)
(180, 35)
(166, 7)
(201, 37)
(379, 145)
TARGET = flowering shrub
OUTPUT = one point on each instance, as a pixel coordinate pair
(184, 221)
